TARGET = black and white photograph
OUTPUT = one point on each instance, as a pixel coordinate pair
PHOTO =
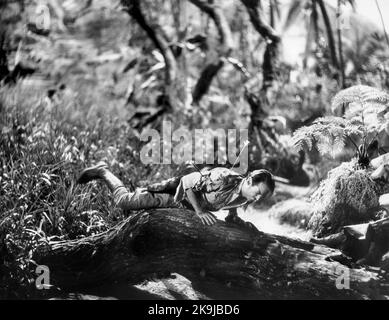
(213, 151)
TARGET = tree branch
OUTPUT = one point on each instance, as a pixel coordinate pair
(258, 21)
(330, 35)
(211, 70)
(271, 36)
(221, 23)
(133, 8)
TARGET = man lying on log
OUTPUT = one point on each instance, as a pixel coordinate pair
(203, 191)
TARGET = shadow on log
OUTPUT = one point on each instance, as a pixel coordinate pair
(251, 264)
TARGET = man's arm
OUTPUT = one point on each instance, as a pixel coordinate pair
(206, 217)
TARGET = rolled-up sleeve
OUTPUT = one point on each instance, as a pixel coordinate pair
(189, 181)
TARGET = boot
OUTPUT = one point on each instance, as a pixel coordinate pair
(92, 173)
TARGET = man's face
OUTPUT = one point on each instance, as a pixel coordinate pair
(257, 192)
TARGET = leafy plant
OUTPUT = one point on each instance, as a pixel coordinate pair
(364, 111)
(363, 99)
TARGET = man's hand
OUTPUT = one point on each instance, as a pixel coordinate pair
(206, 217)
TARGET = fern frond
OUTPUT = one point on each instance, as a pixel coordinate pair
(302, 139)
(354, 127)
(327, 134)
(366, 114)
(323, 143)
(356, 110)
(364, 96)
(339, 143)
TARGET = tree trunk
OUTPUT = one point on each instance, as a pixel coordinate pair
(256, 148)
(270, 61)
(205, 80)
(271, 36)
(211, 69)
(164, 241)
(157, 36)
(330, 35)
(4, 71)
(340, 45)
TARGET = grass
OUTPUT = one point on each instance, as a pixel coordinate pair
(43, 146)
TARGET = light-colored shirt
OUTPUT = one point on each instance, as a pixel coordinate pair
(217, 189)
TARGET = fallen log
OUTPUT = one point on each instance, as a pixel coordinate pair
(253, 264)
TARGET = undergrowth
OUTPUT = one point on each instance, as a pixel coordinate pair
(43, 147)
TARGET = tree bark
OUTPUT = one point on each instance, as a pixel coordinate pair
(166, 241)
(221, 23)
(269, 64)
(4, 71)
(259, 23)
(271, 36)
(212, 69)
(133, 8)
(330, 35)
(340, 45)
(205, 80)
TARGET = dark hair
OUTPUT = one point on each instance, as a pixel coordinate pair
(259, 176)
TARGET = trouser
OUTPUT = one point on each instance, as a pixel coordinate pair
(138, 200)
